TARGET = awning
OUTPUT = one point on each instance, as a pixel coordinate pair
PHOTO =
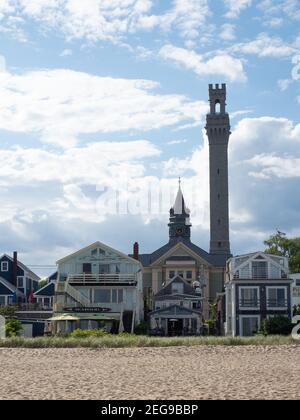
(64, 317)
(85, 317)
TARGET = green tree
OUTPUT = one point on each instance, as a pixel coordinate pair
(13, 327)
(42, 283)
(8, 311)
(280, 244)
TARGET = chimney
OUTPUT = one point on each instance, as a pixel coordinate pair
(136, 251)
(15, 269)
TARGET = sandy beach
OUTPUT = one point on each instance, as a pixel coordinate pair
(151, 373)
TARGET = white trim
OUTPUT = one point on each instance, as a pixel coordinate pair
(2, 267)
(241, 317)
(249, 308)
(100, 245)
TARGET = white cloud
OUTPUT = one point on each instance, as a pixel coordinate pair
(221, 64)
(283, 84)
(235, 7)
(107, 20)
(59, 105)
(172, 142)
(265, 46)
(270, 166)
(66, 53)
(227, 32)
(103, 162)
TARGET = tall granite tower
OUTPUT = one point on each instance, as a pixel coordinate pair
(218, 132)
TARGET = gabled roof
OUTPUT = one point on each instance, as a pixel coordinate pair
(34, 276)
(48, 290)
(95, 245)
(167, 290)
(150, 259)
(10, 287)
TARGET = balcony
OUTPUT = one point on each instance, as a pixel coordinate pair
(249, 304)
(277, 303)
(100, 279)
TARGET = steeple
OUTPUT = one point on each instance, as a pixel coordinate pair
(179, 226)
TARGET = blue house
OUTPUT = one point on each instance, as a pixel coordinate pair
(17, 282)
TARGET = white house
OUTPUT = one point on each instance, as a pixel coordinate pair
(98, 287)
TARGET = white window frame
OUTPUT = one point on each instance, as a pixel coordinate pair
(274, 308)
(249, 308)
(18, 279)
(241, 317)
(2, 266)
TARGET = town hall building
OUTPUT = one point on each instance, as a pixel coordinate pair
(202, 272)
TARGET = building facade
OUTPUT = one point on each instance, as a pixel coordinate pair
(17, 281)
(257, 287)
(177, 309)
(295, 292)
(180, 256)
(98, 287)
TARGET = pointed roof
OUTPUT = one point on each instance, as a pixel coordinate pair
(179, 205)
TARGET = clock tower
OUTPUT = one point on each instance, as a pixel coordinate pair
(179, 226)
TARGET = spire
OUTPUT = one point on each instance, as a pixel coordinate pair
(179, 217)
(179, 205)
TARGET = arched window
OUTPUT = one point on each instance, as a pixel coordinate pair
(217, 106)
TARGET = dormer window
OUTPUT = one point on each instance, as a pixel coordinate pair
(4, 266)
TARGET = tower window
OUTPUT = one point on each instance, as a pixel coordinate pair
(219, 222)
(219, 196)
(218, 171)
(220, 244)
(217, 107)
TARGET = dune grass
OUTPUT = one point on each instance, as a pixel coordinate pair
(115, 341)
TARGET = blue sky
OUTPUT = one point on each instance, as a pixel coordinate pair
(106, 96)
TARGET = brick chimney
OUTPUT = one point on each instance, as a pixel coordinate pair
(15, 268)
(136, 251)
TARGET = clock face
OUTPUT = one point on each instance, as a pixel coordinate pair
(179, 231)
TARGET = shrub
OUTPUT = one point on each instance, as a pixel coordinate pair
(141, 329)
(13, 327)
(279, 325)
(8, 310)
(78, 333)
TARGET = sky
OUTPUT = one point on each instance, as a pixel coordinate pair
(102, 108)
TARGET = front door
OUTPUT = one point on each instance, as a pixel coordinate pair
(249, 325)
(175, 327)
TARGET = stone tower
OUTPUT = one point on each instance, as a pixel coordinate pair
(218, 132)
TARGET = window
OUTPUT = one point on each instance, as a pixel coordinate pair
(101, 251)
(4, 266)
(87, 268)
(189, 275)
(177, 288)
(102, 296)
(2, 300)
(297, 282)
(104, 268)
(249, 297)
(118, 268)
(276, 297)
(171, 274)
(259, 269)
(249, 325)
(181, 274)
(20, 282)
(94, 252)
(117, 296)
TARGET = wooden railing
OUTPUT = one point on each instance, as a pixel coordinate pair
(101, 278)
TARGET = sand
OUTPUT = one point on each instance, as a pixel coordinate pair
(202, 372)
